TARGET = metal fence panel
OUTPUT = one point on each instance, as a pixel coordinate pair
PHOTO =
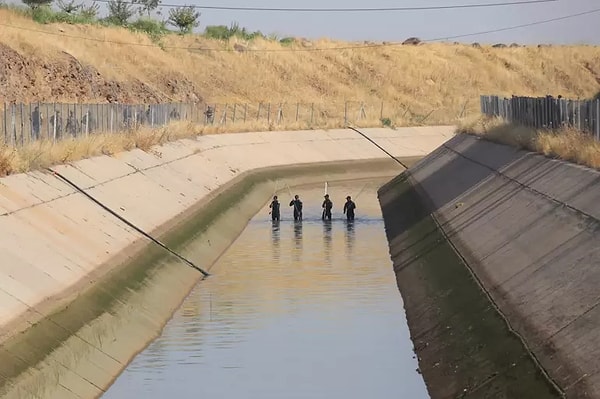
(23, 124)
(545, 112)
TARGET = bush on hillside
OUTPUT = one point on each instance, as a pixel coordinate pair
(45, 15)
(119, 12)
(286, 41)
(89, 12)
(222, 32)
(153, 28)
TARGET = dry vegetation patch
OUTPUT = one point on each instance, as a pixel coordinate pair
(566, 144)
(44, 153)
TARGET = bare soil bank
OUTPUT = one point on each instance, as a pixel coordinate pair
(465, 348)
(84, 344)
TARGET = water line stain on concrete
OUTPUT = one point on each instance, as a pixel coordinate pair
(464, 347)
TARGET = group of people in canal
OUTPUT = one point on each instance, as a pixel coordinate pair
(327, 206)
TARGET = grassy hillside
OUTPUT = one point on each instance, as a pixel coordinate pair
(53, 63)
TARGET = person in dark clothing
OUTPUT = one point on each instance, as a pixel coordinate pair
(274, 209)
(349, 208)
(327, 205)
(297, 204)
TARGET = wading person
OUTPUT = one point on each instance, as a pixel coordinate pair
(327, 205)
(349, 208)
(297, 204)
(274, 205)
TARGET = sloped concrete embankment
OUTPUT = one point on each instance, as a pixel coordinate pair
(496, 254)
(67, 264)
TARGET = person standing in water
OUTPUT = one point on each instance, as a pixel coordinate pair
(349, 208)
(297, 204)
(327, 205)
(274, 205)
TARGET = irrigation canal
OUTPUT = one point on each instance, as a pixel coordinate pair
(292, 310)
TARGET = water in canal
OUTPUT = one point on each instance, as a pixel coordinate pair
(292, 310)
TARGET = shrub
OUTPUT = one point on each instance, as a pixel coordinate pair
(287, 41)
(119, 12)
(153, 28)
(222, 32)
(387, 122)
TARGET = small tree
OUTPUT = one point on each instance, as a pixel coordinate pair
(185, 18)
(69, 7)
(147, 6)
(89, 12)
(119, 11)
(33, 4)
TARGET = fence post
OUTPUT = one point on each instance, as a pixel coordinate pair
(245, 111)
(297, 111)
(223, 120)
(482, 106)
(258, 112)
(312, 112)
(234, 109)
(269, 113)
(5, 125)
(32, 123)
(22, 125)
(598, 119)
(87, 121)
(381, 113)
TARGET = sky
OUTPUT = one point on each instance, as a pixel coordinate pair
(399, 25)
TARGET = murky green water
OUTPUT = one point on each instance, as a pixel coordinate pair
(292, 310)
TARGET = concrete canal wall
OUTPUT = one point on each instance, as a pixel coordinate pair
(56, 245)
(496, 255)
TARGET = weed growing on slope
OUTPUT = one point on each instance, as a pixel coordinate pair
(567, 144)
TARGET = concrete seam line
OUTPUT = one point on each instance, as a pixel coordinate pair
(489, 296)
(121, 218)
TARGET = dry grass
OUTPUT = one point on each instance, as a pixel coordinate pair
(443, 77)
(44, 153)
(566, 144)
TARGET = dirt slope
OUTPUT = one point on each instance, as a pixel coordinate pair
(63, 62)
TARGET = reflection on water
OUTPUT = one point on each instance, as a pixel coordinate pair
(327, 240)
(349, 237)
(275, 237)
(292, 310)
(297, 251)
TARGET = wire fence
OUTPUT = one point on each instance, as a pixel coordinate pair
(546, 112)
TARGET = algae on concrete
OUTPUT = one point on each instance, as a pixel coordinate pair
(464, 346)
